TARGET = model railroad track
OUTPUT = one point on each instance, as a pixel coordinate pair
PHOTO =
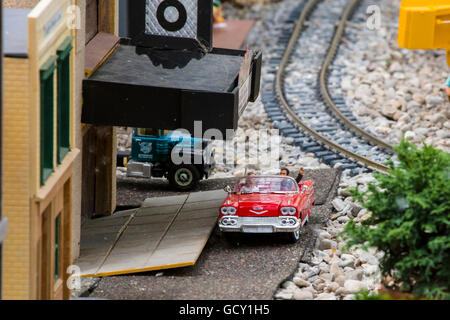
(310, 138)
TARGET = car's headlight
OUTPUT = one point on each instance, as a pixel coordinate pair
(288, 210)
(228, 210)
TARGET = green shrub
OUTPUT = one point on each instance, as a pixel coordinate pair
(410, 220)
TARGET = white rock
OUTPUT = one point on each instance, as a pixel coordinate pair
(370, 270)
(289, 285)
(327, 244)
(365, 217)
(319, 286)
(289, 140)
(354, 275)
(438, 117)
(304, 267)
(344, 192)
(443, 134)
(301, 283)
(410, 135)
(348, 207)
(348, 269)
(340, 280)
(343, 219)
(332, 287)
(303, 295)
(354, 286)
(324, 235)
(346, 256)
(335, 216)
(338, 204)
(346, 264)
(434, 101)
(389, 110)
(310, 289)
(327, 277)
(316, 260)
(283, 295)
(334, 268)
(417, 97)
(325, 296)
(356, 209)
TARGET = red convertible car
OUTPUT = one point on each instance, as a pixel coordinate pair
(267, 204)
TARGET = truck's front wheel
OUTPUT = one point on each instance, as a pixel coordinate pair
(184, 177)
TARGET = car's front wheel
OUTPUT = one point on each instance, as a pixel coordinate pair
(231, 237)
(293, 237)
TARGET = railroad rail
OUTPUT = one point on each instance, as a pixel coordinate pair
(279, 78)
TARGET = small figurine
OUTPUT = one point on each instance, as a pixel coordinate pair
(285, 172)
(301, 172)
(217, 13)
(447, 88)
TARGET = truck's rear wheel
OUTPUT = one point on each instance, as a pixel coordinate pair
(184, 177)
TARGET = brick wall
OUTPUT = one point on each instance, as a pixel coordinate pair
(16, 180)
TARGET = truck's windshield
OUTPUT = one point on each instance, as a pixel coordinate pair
(147, 132)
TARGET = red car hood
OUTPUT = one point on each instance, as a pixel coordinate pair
(261, 205)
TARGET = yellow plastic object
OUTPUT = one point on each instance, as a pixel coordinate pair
(425, 24)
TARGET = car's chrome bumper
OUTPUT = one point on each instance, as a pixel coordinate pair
(259, 224)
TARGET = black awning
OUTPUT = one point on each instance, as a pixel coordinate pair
(140, 87)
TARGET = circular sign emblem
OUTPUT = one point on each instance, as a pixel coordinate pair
(171, 15)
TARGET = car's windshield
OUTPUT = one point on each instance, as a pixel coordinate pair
(265, 184)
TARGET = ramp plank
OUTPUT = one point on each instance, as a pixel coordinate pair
(97, 239)
(165, 232)
(164, 201)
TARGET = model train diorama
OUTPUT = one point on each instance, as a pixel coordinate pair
(254, 204)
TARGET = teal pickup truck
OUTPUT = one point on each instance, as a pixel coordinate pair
(177, 156)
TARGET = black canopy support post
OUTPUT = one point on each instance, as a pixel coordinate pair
(123, 18)
(135, 17)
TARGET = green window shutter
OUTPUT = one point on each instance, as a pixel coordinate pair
(63, 113)
(47, 106)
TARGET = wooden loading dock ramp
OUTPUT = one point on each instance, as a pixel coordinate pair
(166, 232)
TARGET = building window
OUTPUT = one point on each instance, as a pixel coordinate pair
(57, 245)
(63, 113)
(47, 106)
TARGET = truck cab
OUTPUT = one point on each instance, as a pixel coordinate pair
(175, 155)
